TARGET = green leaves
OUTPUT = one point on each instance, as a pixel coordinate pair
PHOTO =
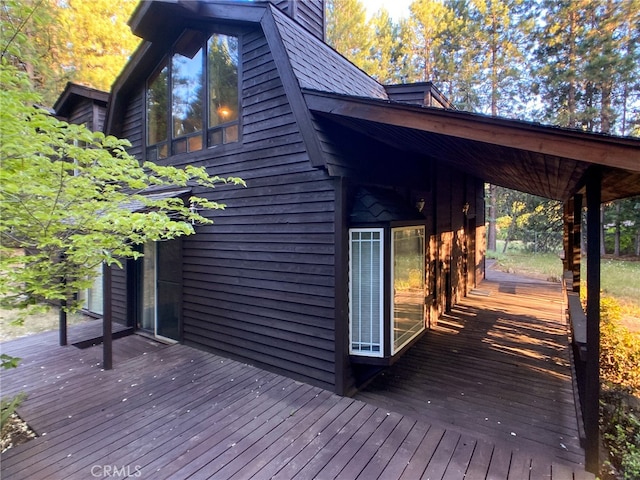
(72, 199)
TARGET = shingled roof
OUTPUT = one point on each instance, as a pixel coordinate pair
(317, 66)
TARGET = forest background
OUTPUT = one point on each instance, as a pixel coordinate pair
(569, 63)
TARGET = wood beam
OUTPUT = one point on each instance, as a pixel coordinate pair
(600, 150)
(592, 380)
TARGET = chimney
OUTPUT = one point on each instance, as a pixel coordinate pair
(308, 13)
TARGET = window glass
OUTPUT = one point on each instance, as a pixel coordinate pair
(186, 94)
(157, 106)
(223, 79)
(365, 292)
(184, 115)
(91, 298)
(408, 249)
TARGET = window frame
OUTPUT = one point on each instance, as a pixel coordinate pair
(153, 151)
(386, 291)
(392, 304)
(381, 318)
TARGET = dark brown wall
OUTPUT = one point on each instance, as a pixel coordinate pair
(259, 282)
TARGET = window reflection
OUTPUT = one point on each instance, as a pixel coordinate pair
(157, 106)
(408, 284)
(186, 98)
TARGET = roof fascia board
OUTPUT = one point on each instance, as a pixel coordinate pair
(292, 89)
(222, 11)
(613, 152)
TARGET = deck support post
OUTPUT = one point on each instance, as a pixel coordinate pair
(592, 387)
(107, 352)
(62, 320)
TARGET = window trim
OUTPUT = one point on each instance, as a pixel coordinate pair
(381, 309)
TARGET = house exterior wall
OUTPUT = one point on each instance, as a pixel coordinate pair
(258, 284)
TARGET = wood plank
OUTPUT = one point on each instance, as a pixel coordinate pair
(192, 413)
(388, 451)
(423, 454)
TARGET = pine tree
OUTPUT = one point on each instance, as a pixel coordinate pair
(348, 31)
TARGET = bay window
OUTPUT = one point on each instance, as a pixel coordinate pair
(376, 330)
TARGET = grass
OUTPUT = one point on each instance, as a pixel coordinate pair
(620, 279)
(545, 266)
(36, 323)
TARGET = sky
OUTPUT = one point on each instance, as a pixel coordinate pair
(396, 8)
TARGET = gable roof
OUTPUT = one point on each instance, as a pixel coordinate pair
(73, 93)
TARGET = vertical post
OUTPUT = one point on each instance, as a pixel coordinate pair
(592, 387)
(63, 323)
(107, 355)
(343, 382)
(577, 241)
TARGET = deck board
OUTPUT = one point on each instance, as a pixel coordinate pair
(498, 365)
(174, 412)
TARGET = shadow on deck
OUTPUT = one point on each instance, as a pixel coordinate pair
(173, 412)
(497, 366)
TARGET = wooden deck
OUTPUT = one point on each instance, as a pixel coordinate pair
(498, 365)
(173, 412)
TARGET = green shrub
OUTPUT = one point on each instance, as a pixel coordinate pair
(621, 433)
(8, 407)
(619, 349)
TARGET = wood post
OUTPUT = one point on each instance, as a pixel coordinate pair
(592, 380)
(107, 351)
(62, 320)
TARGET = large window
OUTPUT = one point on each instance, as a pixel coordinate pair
(406, 295)
(407, 245)
(366, 275)
(192, 98)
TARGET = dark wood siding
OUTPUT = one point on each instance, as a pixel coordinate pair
(119, 295)
(259, 282)
(309, 14)
(82, 113)
(134, 129)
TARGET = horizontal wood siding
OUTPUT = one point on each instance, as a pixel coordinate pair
(82, 113)
(310, 15)
(119, 294)
(259, 282)
(134, 129)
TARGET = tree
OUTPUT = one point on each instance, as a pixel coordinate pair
(71, 40)
(97, 40)
(30, 42)
(72, 199)
(428, 22)
(384, 54)
(348, 31)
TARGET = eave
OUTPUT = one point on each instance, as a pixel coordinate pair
(542, 160)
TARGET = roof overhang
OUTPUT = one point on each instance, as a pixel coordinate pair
(73, 93)
(542, 160)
